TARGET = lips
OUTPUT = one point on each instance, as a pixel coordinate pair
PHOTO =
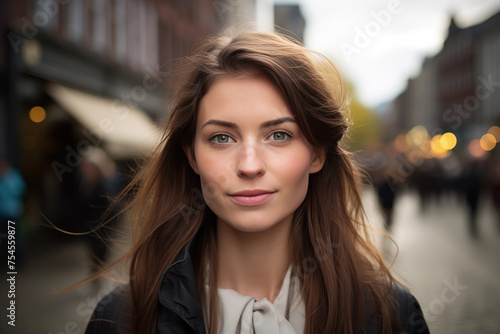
(252, 197)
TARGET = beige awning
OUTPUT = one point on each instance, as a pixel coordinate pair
(126, 132)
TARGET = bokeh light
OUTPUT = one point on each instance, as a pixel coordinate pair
(488, 142)
(475, 149)
(448, 141)
(417, 135)
(426, 149)
(495, 131)
(401, 143)
(437, 148)
(37, 114)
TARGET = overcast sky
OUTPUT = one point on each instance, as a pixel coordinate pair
(379, 44)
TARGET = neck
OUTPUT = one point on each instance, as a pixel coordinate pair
(253, 263)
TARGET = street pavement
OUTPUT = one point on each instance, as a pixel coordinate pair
(57, 262)
(454, 277)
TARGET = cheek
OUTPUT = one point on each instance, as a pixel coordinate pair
(214, 175)
(296, 167)
(293, 175)
(299, 177)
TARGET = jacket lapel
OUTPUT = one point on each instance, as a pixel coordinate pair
(180, 309)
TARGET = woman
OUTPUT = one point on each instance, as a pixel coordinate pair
(248, 217)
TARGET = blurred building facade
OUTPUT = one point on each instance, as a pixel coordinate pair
(101, 47)
(488, 64)
(240, 15)
(290, 21)
(423, 95)
(76, 74)
(457, 90)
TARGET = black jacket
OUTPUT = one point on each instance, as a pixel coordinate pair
(180, 311)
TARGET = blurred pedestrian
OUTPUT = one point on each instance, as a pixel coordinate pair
(59, 201)
(471, 185)
(382, 170)
(494, 186)
(12, 189)
(96, 173)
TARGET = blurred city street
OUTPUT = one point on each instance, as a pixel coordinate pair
(56, 262)
(83, 98)
(454, 276)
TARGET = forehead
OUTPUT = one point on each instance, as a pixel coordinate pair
(243, 99)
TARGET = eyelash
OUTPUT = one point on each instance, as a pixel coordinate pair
(281, 131)
(212, 139)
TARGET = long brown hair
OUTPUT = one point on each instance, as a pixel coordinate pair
(338, 266)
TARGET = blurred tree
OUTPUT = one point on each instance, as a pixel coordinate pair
(365, 125)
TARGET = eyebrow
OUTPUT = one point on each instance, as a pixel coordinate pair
(262, 126)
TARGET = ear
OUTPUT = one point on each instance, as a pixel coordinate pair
(189, 151)
(318, 160)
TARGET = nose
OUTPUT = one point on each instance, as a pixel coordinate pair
(250, 162)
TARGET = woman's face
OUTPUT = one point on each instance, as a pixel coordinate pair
(253, 161)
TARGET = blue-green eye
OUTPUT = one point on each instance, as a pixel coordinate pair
(221, 139)
(280, 136)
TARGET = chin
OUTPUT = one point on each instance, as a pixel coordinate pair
(252, 224)
(251, 228)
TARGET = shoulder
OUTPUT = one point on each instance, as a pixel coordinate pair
(409, 318)
(112, 313)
